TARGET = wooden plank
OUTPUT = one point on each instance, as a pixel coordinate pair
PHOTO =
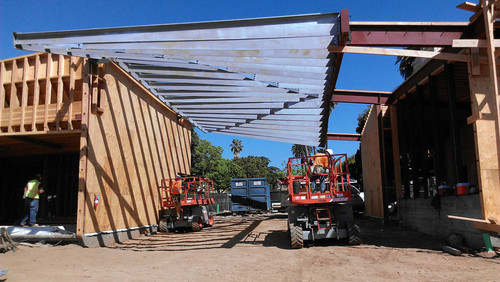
(24, 97)
(487, 227)
(48, 91)
(36, 91)
(490, 37)
(474, 43)
(13, 94)
(72, 66)
(468, 219)
(399, 52)
(60, 88)
(2, 90)
(82, 167)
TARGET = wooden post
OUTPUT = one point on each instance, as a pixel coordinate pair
(488, 10)
(82, 174)
(60, 87)
(2, 90)
(24, 94)
(13, 94)
(422, 152)
(410, 119)
(403, 141)
(435, 130)
(36, 92)
(452, 110)
(380, 119)
(72, 66)
(48, 91)
(395, 149)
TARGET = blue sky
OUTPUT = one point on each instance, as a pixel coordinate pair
(360, 72)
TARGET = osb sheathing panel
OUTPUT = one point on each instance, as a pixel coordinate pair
(482, 96)
(133, 144)
(370, 158)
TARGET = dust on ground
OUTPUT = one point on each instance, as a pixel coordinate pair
(251, 248)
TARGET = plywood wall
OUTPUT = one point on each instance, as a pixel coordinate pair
(134, 140)
(370, 157)
(483, 120)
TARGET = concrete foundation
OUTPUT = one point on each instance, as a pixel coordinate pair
(418, 214)
(107, 239)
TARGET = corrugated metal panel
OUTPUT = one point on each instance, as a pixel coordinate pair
(261, 78)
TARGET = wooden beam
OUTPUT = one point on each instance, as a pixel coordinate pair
(474, 43)
(400, 52)
(38, 142)
(403, 38)
(468, 6)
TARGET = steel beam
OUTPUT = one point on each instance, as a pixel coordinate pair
(344, 136)
(359, 96)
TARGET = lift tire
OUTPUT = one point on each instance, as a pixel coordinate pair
(296, 239)
(196, 224)
(354, 234)
(162, 225)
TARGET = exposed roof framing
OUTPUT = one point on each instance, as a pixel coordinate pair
(268, 78)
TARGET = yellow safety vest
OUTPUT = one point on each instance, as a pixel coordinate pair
(32, 191)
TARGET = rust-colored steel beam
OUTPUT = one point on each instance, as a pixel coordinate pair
(344, 136)
(403, 38)
(359, 96)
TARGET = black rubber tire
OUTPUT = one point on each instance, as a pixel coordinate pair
(196, 224)
(354, 234)
(296, 239)
(162, 225)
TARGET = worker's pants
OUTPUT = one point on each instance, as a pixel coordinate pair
(321, 183)
(30, 211)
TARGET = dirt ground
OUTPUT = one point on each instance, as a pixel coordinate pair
(251, 248)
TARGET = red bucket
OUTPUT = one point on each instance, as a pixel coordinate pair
(462, 188)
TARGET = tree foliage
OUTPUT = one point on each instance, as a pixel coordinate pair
(301, 150)
(207, 162)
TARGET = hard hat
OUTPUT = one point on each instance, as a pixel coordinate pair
(329, 151)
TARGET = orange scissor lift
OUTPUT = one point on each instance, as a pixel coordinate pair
(184, 203)
(314, 215)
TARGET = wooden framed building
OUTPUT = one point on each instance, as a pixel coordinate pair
(100, 139)
(441, 128)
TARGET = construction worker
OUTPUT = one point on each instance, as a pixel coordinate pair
(176, 196)
(32, 192)
(319, 168)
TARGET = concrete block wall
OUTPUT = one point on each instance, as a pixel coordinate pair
(418, 214)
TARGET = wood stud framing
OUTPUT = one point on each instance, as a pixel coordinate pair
(37, 100)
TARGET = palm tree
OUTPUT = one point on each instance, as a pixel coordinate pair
(302, 150)
(236, 148)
